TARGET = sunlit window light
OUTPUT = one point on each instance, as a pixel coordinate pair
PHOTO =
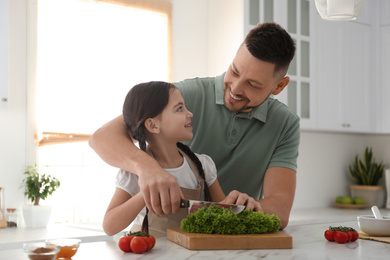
(89, 55)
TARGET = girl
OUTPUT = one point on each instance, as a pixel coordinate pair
(156, 116)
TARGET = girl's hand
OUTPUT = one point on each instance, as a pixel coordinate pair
(161, 192)
(239, 198)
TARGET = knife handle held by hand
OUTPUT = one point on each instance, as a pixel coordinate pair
(184, 203)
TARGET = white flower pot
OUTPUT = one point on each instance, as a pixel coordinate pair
(373, 195)
(36, 216)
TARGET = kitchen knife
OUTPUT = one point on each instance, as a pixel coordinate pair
(194, 205)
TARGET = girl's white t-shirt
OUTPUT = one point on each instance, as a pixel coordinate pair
(185, 178)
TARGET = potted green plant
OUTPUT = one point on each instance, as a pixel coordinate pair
(38, 186)
(366, 173)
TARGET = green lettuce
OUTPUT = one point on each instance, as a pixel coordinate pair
(216, 220)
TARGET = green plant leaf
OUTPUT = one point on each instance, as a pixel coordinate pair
(365, 171)
(38, 186)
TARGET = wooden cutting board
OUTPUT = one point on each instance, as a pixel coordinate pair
(197, 241)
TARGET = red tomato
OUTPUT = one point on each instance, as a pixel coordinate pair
(349, 234)
(340, 237)
(151, 242)
(355, 235)
(329, 235)
(148, 243)
(138, 244)
(124, 243)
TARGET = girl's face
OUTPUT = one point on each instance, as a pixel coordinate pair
(175, 119)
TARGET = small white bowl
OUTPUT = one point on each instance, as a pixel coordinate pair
(374, 227)
(39, 250)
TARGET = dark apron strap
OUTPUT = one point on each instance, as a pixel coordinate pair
(188, 194)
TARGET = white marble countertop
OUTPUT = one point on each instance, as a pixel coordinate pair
(306, 227)
(331, 214)
(308, 243)
(13, 238)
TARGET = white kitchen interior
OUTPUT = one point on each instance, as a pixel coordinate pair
(349, 97)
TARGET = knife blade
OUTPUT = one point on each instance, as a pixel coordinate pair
(194, 205)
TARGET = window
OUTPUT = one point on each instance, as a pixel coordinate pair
(299, 88)
(295, 17)
(89, 54)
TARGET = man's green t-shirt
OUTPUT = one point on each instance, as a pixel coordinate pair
(242, 145)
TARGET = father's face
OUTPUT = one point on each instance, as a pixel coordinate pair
(249, 82)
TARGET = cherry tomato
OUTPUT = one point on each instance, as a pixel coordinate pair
(151, 242)
(148, 243)
(355, 236)
(349, 234)
(340, 237)
(138, 245)
(124, 243)
(341, 234)
(329, 235)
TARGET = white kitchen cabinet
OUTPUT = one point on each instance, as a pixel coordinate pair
(358, 68)
(344, 66)
(295, 17)
(383, 94)
(384, 10)
(331, 85)
(365, 15)
(384, 85)
(4, 52)
(329, 76)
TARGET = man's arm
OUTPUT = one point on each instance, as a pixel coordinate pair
(279, 191)
(160, 189)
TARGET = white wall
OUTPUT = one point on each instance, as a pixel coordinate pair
(13, 118)
(225, 33)
(200, 48)
(189, 41)
(205, 36)
(323, 164)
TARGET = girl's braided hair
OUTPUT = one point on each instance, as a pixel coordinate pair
(198, 164)
(143, 101)
(148, 100)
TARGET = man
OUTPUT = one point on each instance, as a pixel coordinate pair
(252, 138)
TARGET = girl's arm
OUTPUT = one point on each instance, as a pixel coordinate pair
(121, 211)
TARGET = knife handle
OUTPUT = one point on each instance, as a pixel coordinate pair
(184, 203)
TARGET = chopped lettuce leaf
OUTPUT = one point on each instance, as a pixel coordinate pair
(216, 220)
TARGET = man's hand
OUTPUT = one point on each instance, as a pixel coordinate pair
(161, 192)
(238, 198)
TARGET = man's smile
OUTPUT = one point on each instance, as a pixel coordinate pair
(235, 97)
